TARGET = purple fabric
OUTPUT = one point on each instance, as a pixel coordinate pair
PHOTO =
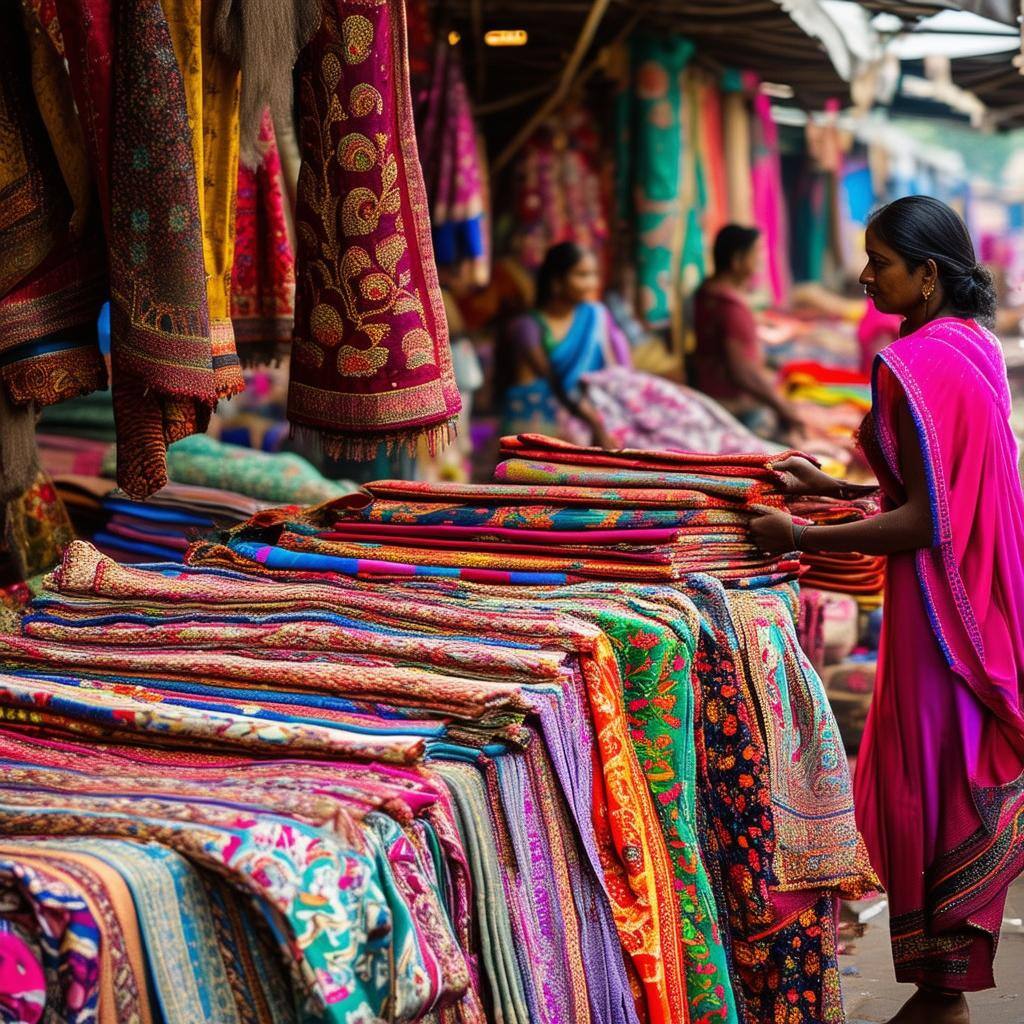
(565, 726)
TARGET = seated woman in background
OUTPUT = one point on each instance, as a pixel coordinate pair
(728, 364)
(564, 369)
(547, 351)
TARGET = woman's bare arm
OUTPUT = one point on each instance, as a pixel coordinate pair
(906, 528)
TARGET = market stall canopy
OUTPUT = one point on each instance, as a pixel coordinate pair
(996, 81)
(1005, 11)
(790, 42)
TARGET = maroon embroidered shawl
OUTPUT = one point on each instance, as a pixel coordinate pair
(371, 363)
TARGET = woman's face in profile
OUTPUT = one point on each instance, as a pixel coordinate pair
(886, 279)
(583, 282)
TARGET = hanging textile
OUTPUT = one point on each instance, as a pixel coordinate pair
(453, 171)
(212, 96)
(711, 146)
(159, 116)
(736, 129)
(52, 278)
(769, 208)
(658, 64)
(263, 273)
(371, 363)
(559, 190)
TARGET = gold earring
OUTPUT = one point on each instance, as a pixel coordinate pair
(927, 292)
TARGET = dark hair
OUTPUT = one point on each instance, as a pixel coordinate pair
(558, 263)
(921, 228)
(731, 241)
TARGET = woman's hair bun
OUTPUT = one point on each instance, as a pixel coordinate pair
(971, 294)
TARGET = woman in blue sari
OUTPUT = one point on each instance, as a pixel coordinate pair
(569, 333)
(565, 370)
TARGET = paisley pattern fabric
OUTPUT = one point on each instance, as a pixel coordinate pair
(371, 363)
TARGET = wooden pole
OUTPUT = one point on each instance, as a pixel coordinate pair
(483, 109)
(586, 37)
(477, 15)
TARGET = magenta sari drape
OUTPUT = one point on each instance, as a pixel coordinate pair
(940, 782)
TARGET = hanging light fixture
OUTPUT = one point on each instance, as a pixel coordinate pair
(506, 37)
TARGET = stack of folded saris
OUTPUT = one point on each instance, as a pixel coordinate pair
(159, 528)
(555, 514)
(286, 781)
(860, 576)
(827, 386)
(214, 485)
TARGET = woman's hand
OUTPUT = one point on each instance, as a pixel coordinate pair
(800, 477)
(603, 439)
(772, 532)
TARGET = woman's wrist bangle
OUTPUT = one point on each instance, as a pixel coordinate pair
(798, 536)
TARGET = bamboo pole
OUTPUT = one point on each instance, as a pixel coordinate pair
(586, 37)
(515, 99)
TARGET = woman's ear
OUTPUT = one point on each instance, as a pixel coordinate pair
(931, 275)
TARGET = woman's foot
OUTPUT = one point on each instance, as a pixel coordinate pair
(928, 1006)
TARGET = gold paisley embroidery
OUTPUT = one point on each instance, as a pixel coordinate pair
(352, 288)
(357, 38)
(418, 347)
(378, 289)
(326, 325)
(361, 362)
(357, 153)
(360, 213)
(389, 252)
(330, 71)
(365, 100)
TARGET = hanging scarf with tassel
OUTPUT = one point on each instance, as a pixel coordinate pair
(371, 363)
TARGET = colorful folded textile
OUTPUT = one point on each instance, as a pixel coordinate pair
(445, 798)
(862, 576)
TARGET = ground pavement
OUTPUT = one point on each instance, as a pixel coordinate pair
(872, 994)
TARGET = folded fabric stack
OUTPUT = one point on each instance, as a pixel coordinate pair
(583, 514)
(161, 528)
(215, 485)
(826, 385)
(269, 790)
(860, 576)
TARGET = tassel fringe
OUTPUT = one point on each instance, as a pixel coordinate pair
(364, 447)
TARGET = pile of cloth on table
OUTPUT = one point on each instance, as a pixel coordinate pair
(555, 514)
(826, 385)
(860, 576)
(831, 401)
(269, 790)
(161, 527)
(214, 484)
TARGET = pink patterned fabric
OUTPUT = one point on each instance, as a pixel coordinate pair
(769, 211)
(940, 783)
(263, 276)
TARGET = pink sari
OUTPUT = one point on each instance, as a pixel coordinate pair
(940, 783)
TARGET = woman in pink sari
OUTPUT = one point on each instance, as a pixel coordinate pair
(940, 778)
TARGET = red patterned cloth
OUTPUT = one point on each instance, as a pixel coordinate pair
(371, 363)
(52, 279)
(263, 277)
